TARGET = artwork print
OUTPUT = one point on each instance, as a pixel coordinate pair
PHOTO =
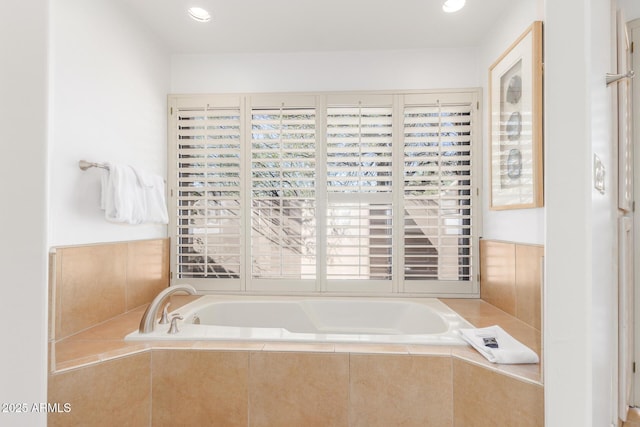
(516, 128)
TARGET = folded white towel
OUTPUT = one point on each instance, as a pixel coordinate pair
(154, 194)
(133, 196)
(498, 346)
(122, 196)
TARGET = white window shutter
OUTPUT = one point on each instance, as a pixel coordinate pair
(372, 193)
(359, 193)
(283, 207)
(207, 210)
(438, 229)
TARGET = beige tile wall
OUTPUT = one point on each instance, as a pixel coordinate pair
(147, 271)
(114, 393)
(511, 277)
(261, 388)
(93, 283)
(484, 398)
(199, 388)
(388, 390)
(299, 389)
(498, 274)
(528, 284)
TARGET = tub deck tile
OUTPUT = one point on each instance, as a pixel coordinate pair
(301, 347)
(228, 345)
(482, 314)
(114, 329)
(431, 350)
(531, 372)
(106, 341)
(372, 348)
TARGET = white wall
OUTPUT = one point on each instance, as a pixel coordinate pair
(604, 239)
(521, 225)
(110, 79)
(580, 278)
(325, 71)
(631, 8)
(23, 216)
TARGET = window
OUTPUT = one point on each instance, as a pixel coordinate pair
(206, 214)
(283, 194)
(359, 193)
(335, 193)
(437, 191)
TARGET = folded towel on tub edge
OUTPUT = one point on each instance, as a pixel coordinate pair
(497, 346)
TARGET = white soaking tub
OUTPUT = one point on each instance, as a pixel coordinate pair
(309, 319)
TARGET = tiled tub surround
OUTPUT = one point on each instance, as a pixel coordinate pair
(109, 381)
(278, 384)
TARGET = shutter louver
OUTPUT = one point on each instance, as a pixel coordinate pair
(208, 193)
(437, 193)
(359, 186)
(283, 208)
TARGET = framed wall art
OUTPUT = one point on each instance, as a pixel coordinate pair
(515, 113)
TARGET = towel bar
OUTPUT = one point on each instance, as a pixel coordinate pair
(84, 165)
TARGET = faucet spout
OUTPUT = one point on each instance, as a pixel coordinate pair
(148, 321)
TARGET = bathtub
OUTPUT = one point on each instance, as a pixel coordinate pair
(320, 319)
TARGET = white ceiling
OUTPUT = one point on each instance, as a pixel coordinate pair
(317, 25)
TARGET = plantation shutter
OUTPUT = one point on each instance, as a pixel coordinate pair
(438, 200)
(367, 193)
(359, 194)
(208, 226)
(283, 206)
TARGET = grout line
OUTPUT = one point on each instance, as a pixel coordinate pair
(349, 402)
(453, 391)
(249, 376)
(151, 387)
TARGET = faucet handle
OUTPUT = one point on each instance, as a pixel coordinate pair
(173, 329)
(164, 319)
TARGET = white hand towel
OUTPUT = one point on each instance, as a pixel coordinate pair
(498, 346)
(122, 196)
(155, 199)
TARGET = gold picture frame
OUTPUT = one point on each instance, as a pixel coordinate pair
(515, 114)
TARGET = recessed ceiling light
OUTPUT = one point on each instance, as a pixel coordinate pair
(199, 14)
(451, 6)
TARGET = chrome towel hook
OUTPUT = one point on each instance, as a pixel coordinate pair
(612, 78)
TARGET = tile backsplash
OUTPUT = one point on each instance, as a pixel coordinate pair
(511, 279)
(93, 283)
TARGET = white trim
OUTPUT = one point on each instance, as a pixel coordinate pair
(634, 32)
